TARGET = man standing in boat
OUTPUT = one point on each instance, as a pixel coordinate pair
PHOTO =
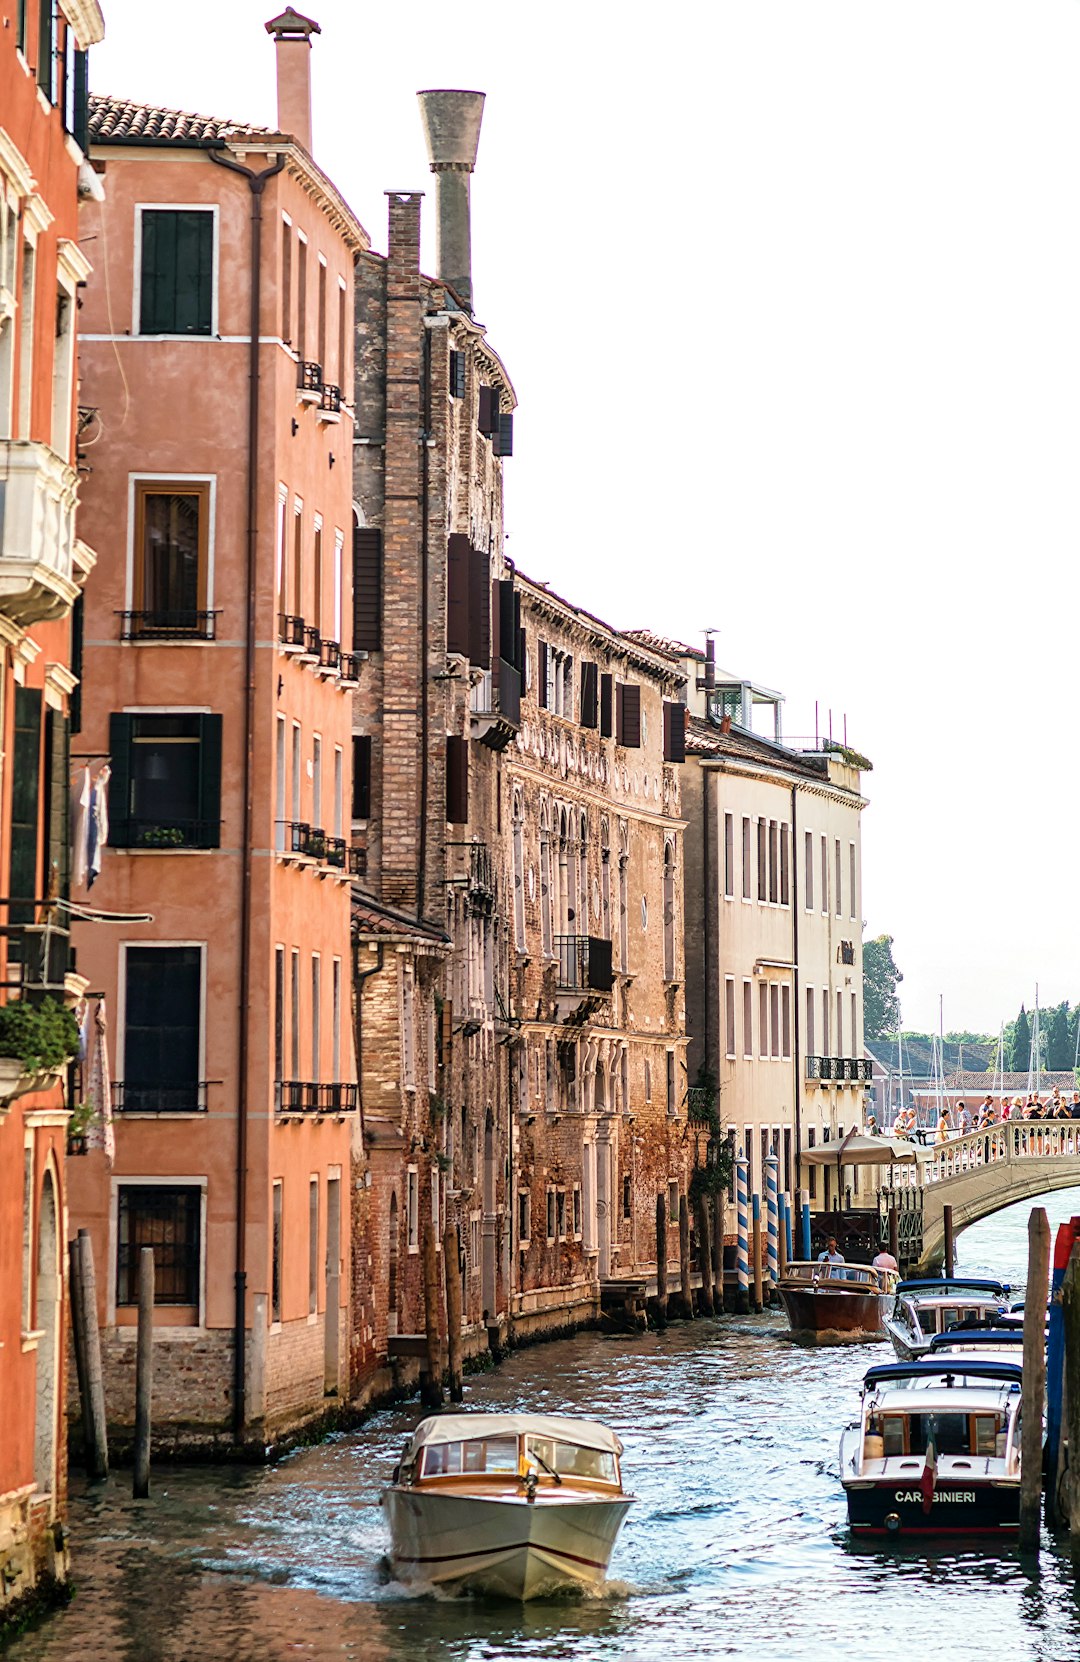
(832, 1253)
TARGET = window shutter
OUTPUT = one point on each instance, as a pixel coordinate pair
(601, 978)
(210, 781)
(502, 440)
(488, 416)
(541, 674)
(674, 731)
(457, 375)
(176, 283)
(457, 779)
(508, 601)
(606, 682)
(589, 705)
(361, 778)
(457, 593)
(628, 715)
(479, 608)
(120, 783)
(367, 589)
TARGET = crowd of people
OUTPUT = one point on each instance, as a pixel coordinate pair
(988, 1113)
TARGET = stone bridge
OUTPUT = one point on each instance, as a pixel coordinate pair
(986, 1171)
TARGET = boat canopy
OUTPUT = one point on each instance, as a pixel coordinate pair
(979, 1337)
(463, 1428)
(976, 1368)
(954, 1285)
(984, 1397)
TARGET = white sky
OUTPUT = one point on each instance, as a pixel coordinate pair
(790, 294)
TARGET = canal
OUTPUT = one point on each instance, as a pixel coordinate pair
(737, 1547)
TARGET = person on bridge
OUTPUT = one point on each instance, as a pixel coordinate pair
(1074, 1106)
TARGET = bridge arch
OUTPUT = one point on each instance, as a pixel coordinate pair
(990, 1187)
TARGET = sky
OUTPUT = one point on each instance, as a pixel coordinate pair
(790, 297)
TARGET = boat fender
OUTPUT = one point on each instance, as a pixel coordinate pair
(874, 1446)
(892, 1521)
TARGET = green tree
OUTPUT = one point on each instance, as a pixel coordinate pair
(881, 1006)
(1020, 1056)
(1059, 1040)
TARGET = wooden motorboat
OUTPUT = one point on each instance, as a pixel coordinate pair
(519, 1505)
(936, 1448)
(819, 1297)
(924, 1308)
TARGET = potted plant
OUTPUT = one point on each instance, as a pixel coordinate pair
(36, 1041)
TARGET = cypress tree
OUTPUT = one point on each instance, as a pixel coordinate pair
(1020, 1060)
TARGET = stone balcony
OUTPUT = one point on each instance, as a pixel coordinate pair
(38, 575)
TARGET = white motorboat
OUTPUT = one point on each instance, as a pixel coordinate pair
(520, 1505)
(936, 1448)
(924, 1308)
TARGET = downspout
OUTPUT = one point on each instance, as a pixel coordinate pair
(256, 185)
(425, 435)
(706, 866)
(797, 1047)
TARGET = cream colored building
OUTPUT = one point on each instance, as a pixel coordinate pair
(774, 967)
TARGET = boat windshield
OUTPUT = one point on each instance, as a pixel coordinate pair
(570, 1460)
(952, 1433)
(479, 1454)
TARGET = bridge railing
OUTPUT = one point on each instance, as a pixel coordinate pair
(1001, 1144)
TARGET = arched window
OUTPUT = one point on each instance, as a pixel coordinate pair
(605, 878)
(546, 898)
(583, 876)
(518, 819)
(624, 898)
(669, 911)
(47, 1322)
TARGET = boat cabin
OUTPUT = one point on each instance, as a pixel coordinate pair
(809, 1272)
(484, 1449)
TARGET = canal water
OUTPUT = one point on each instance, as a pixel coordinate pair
(737, 1547)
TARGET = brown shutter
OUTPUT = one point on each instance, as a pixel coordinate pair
(457, 779)
(589, 701)
(606, 683)
(479, 608)
(628, 715)
(674, 731)
(541, 674)
(361, 783)
(457, 594)
(488, 416)
(367, 589)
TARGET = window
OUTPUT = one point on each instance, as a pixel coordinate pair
(825, 1047)
(824, 873)
(627, 1198)
(361, 784)
(166, 1220)
(294, 1014)
(279, 1013)
(839, 881)
(338, 598)
(576, 1211)
(808, 872)
(729, 1006)
(785, 1021)
(166, 783)
(747, 1019)
(785, 866)
(746, 879)
(408, 1028)
(162, 1029)
(313, 1246)
(276, 1251)
(669, 913)
(628, 715)
(839, 1024)
(367, 589)
(774, 874)
(729, 855)
(301, 295)
(317, 575)
(811, 1140)
(854, 1024)
(316, 1017)
(176, 277)
(171, 560)
(412, 1209)
(316, 780)
(560, 1214)
(27, 300)
(279, 788)
(524, 1211)
(673, 1202)
(63, 368)
(648, 1082)
(286, 279)
(762, 859)
(810, 1046)
(851, 881)
(672, 1100)
(321, 315)
(297, 771)
(774, 1019)
(551, 1214)
(298, 558)
(342, 334)
(763, 1019)
(339, 768)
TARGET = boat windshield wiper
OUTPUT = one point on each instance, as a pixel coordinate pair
(539, 1458)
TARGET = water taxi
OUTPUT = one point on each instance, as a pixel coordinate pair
(819, 1297)
(518, 1505)
(936, 1448)
(927, 1307)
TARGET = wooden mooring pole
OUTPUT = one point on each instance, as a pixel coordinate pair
(704, 1253)
(97, 1442)
(452, 1276)
(718, 1251)
(1070, 1310)
(661, 1260)
(686, 1286)
(894, 1233)
(431, 1393)
(144, 1374)
(1033, 1387)
(950, 1241)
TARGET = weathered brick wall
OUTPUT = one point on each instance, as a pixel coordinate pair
(295, 1363)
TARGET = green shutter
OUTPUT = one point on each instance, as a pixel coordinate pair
(210, 781)
(120, 785)
(25, 835)
(176, 286)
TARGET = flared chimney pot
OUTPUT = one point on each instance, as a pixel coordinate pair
(451, 121)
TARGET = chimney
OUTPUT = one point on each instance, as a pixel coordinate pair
(451, 123)
(292, 38)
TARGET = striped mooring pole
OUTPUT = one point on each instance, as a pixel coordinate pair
(804, 1214)
(771, 1167)
(788, 1225)
(742, 1211)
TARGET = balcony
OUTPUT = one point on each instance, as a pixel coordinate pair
(37, 536)
(495, 705)
(131, 1098)
(306, 1096)
(584, 964)
(309, 382)
(349, 669)
(337, 853)
(312, 646)
(357, 861)
(329, 657)
(330, 403)
(844, 1070)
(291, 632)
(159, 625)
(173, 833)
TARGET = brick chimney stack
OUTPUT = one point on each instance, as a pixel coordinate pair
(292, 34)
(451, 122)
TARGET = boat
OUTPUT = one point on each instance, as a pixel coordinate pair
(936, 1448)
(819, 1297)
(517, 1505)
(927, 1307)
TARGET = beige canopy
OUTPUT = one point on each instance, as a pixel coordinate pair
(860, 1150)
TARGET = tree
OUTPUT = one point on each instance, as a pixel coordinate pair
(1020, 1059)
(1059, 1040)
(881, 1006)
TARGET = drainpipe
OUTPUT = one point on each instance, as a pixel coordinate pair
(425, 435)
(256, 185)
(706, 867)
(797, 1046)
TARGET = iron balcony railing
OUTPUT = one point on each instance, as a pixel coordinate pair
(844, 1069)
(336, 852)
(302, 838)
(290, 629)
(331, 398)
(309, 376)
(312, 642)
(158, 624)
(584, 964)
(357, 861)
(349, 669)
(173, 833)
(133, 1097)
(307, 1096)
(329, 654)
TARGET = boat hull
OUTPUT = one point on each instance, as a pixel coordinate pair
(502, 1545)
(825, 1309)
(958, 1508)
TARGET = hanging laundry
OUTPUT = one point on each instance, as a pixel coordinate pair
(82, 1016)
(80, 826)
(100, 1131)
(99, 824)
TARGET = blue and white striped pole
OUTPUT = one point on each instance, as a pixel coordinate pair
(804, 1209)
(742, 1262)
(771, 1165)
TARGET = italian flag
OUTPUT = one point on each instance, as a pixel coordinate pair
(928, 1480)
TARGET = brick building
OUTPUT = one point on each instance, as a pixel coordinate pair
(219, 366)
(43, 55)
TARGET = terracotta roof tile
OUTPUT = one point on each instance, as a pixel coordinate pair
(664, 644)
(703, 738)
(121, 121)
(371, 917)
